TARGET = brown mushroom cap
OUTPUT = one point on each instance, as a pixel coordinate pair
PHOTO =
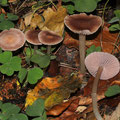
(12, 39)
(49, 38)
(32, 37)
(82, 23)
(110, 64)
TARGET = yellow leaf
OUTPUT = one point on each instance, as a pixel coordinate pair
(31, 97)
(37, 20)
(54, 21)
(27, 18)
(54, 99)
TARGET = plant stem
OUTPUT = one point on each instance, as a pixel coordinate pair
(82, 39)
(35, 48)
(94, 94)
(116, 42)
(48, 49)
(102, 26)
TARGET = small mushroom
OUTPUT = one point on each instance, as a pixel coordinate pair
(49, 38)
(103, 66)
(32, 37)
(83, 25)
(12, 39)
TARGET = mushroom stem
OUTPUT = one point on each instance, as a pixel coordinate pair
(48, 49)
(82, 39)
(94, 94)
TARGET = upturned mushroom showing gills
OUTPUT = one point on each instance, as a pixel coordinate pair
(83, 25)
(12, 39)
(103, 66)
(49, 38)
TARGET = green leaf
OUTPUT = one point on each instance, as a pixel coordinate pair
(15, 63)
(6, 24)
(22, 74)
(1, 104)
(98, 49)
(29, 52)
(112, 90)
(114, 19)
(70, 9)
(9, 63)
(85, 5)
(6, 69)
(67, 0)
(117, 13)
(36, 109)
(114, 27)
(2, 17)
(0, 50)
(5, 56)
(39, 118)
(34, 75)
(9, 109)
(18, 117)
(52, 57)
(3, 2)
(93, 49)
(12, 17)
(42, 60)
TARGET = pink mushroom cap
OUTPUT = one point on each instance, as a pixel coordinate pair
(109, 62)
(12, 39)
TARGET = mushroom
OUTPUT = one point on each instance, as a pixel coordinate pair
(12, 39)
(49, 38)
(103, 66)
(83, 25)
(32, 37)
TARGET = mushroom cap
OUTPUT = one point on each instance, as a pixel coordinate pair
(110, 64)
(49, 37)
(12, 39)
(32, 37)
(82, 23)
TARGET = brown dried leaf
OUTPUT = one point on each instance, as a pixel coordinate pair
(102, 87)
(58, 109)
(68, 112)
(108, 40)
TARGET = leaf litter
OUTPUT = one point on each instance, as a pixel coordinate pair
(63, 93)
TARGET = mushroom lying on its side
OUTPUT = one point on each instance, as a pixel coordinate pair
(103, 66)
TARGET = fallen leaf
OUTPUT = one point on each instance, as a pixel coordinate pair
(37, 20)
(54, 20)
(69, 113)
(54, 89)
(58, 109)
(27, 18)
(108, 40)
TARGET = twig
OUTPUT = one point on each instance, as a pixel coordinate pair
(116, 43)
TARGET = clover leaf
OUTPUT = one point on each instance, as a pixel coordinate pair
(34, 74)
(10, 63)
(36, 109)
(93, 49)
(112, 90)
